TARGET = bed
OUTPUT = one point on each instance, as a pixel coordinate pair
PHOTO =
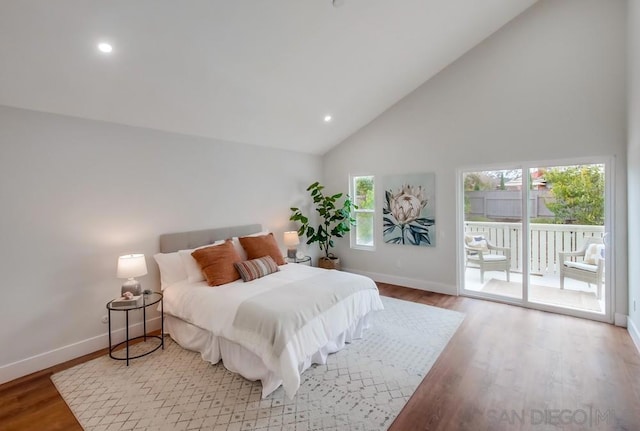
(269, 329)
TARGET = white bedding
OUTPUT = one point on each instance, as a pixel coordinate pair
(214, 309)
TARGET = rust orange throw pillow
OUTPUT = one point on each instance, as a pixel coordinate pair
(217, 262)
(260, 246)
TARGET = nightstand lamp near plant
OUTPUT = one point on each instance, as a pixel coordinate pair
(131, 266)
(291, 240)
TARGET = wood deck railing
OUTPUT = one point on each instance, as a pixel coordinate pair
(545, 242)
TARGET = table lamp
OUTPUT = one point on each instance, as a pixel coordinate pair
(291, 240)
(129, 267)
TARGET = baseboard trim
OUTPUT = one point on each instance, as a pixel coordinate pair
(634, 332)
(57, 356)
(429, 286)
(620, 319)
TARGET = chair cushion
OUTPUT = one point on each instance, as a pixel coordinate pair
(489, 257)
(581, 265)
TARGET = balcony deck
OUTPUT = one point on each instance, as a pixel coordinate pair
(543, 289)
(545, 243)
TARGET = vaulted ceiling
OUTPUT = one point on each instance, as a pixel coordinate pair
(263, 72)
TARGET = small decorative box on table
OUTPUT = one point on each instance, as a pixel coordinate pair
(126, 302)
(145, 300)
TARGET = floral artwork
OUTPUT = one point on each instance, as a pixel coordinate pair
(409, 210)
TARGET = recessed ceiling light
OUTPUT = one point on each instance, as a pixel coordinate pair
(327, 118)
(105, 47)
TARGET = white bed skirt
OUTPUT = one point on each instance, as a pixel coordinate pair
(239, 360)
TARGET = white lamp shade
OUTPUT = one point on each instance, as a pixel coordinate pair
(131, 265)
(291, 238)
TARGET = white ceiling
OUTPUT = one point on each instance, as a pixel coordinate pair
(263, 72)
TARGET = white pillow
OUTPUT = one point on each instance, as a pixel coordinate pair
(238, 246)
(593, 253)
(171, 268)
(191, 267)
(477, 241)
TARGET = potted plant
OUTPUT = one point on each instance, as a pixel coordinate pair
(335, 221)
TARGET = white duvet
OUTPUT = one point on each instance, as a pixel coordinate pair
(214, 309)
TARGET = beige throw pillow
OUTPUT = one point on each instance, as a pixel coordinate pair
(593, 253)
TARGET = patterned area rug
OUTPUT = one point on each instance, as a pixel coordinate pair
(362, 387)
(546, 294)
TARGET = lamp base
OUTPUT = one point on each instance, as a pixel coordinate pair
(291, 253)
(131, 285)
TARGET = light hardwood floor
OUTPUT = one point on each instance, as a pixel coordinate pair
(505, 368)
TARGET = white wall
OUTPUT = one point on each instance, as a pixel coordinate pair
(633, 166)
(75, 194)
(548, 85)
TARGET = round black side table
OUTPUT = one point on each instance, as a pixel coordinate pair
(147, 301)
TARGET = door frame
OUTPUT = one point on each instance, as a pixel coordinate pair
(609, 226)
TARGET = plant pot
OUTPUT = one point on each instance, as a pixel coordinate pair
(329, 263)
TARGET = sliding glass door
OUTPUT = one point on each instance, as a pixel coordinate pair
(492, 237)
(567, 237)
(536, 236)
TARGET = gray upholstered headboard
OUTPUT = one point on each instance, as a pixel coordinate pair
(170, 242)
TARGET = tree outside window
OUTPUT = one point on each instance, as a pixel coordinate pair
(363, 192)
(578, 194)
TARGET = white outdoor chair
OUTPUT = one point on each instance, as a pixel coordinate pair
(587, 265)
(480, 253)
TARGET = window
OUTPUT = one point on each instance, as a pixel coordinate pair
(363, 192)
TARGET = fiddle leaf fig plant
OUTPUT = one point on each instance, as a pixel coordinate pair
(335, 218)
